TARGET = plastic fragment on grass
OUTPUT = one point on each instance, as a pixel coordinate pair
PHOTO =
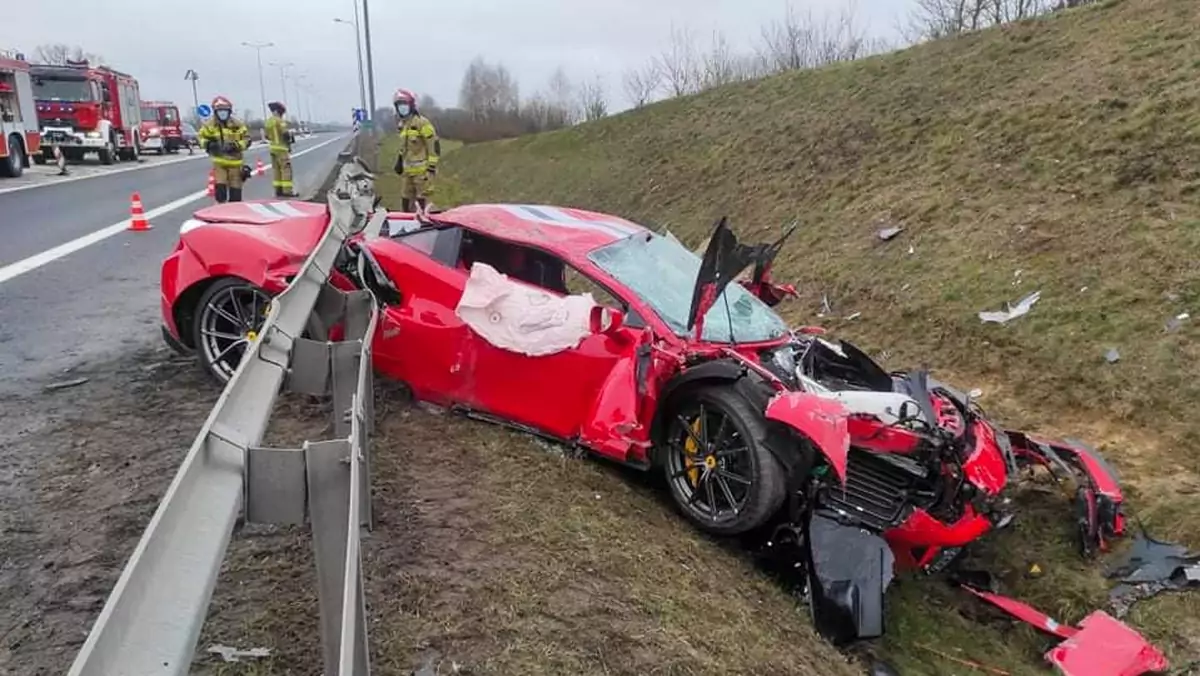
(1112, 356)
(1150, 568)
(231, 654)
(888, 233)
(1011, 312)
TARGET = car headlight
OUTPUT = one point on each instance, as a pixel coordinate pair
(154, 131)
(93, 134)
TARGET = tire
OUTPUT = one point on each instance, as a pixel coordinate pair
(219, 337)
(108, 154)
(14, 165)
(752, 477)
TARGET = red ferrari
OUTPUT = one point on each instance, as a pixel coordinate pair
(594, 331)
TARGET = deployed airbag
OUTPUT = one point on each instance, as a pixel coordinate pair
(520, 318)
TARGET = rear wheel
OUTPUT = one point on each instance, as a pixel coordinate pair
(108, 154)
(14, 165)
(720, 473)
(229, 315)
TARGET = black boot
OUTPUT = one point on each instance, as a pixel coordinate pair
(279, 192)
(221, 193)
(405, 205)
(235, 194)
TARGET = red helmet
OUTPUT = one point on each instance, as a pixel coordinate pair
(221, 102)
(404, 96)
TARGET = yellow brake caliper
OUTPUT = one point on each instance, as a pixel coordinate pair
(691, 450)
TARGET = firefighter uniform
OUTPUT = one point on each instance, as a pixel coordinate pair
(225, 139)
(419, 150)
(279, 139)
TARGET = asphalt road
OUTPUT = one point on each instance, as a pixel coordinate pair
(103, 295)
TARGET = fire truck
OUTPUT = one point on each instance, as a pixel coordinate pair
(161, 129)
(19, 138)
(84, 109)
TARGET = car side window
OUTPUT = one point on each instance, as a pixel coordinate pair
(577, 282)
(440, 244)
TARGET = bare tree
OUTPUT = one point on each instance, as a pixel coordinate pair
(593, 99)
(678, 64)
(58, 54)
(718, 64)
(560, 110)
(488, 91)
(641, 83)
(933, 19)
(795, 42)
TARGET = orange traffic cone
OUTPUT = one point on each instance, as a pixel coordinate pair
(212, 182)
(259, 170)
(137, 217)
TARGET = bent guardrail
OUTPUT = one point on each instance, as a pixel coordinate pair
(152, 619)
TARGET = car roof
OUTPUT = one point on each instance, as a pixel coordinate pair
(565, 231)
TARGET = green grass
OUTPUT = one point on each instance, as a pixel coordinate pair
(1066, 148)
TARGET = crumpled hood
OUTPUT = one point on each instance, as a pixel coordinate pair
(289, 228)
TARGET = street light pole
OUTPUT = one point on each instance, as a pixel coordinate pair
(283, 78)
(370, 62)
(362, 89)
(262, 88)
(193, 76)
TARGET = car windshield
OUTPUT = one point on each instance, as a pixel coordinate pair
(61, 90)
(663, 272)
(170, 116)
(149, 114)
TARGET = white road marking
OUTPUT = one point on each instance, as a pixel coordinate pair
(36, 261)
(52, 180)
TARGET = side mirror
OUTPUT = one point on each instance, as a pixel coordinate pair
(607, 321)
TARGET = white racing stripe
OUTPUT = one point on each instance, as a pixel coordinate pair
(36, 261)
(122, 170)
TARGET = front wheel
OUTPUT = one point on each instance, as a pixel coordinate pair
(229, 316)
(14, 165)
(719, 470)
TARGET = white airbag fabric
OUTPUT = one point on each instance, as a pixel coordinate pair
(520, 318)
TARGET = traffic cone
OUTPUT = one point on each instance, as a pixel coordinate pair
(212, 182)
(137, 217)
(259, 169)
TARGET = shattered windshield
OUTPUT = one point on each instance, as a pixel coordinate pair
(663, 272)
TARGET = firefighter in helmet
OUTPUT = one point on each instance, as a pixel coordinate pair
(419, 150)
(225, 139)
(280, 140)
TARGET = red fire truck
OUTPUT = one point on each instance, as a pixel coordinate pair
(84, 109)
(161, 130)
(19, 138)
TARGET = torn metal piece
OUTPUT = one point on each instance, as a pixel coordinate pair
(1105, 646)
(853, 316)
(1150, 568)
(1013, 311)
(848, 570)
(231, 654)
(1177, 321)
(888, 233)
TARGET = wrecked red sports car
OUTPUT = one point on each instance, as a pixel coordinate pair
(594, 331)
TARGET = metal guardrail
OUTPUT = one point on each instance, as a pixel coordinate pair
(152, 619)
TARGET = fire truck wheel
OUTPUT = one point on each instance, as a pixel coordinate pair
(14, 165)
(108, 154)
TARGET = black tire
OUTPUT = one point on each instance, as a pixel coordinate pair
(14, 165)
(108, 154)
(221, 337)
(749, 482)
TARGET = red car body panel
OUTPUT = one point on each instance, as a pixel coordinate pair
(821, 420)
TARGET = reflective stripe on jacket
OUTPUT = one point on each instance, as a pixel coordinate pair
(277, 135)
(419, 145)
(232, 131)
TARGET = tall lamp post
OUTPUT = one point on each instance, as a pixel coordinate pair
(193, 76)
(283, 78)
(362, 89)
(262, 88)
(370, 62)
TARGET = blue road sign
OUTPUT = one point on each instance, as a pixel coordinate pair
(360, 115)
(203, 110)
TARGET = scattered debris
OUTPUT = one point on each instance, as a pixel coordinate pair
(887, 233)
(1013, 311)
(1112, 356)
(1082, 289)
(1150, 568)
(911, 250)
(231, 654)
(965, 663)
(1171, 296)
(854, 316)
(1034, 570)
(1177, 321)
(826, 308)
(64, 384)
(432, 409)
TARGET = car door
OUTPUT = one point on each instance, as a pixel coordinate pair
(420, 339)
(587, 392)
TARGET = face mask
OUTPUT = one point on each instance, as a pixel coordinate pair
(402, 110)
(223, 115)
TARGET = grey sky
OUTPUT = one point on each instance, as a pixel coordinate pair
(423, 46)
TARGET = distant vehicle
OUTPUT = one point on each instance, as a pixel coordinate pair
(19, 138)
(84, 109)
(189, 135)
(161, 127)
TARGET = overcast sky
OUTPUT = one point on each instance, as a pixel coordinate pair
(423, 46)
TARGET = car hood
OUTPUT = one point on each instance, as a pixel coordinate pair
(724, 259)
(290, 229)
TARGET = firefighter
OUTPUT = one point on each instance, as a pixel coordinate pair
(225, 138)
(280, 140)
(419, 150)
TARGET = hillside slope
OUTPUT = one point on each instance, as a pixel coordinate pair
(1060, 154)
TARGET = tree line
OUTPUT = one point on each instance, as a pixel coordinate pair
(491, 104)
